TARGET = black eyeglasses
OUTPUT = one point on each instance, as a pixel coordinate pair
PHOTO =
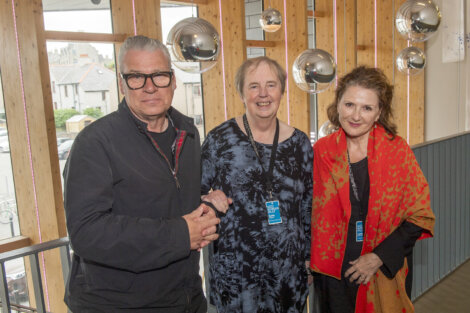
(137, 80)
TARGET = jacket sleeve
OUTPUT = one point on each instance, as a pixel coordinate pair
(399, 244)
(98, 234)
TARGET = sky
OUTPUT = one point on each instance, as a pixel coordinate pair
(99, 21)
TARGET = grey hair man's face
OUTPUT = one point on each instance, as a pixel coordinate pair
(150, 101)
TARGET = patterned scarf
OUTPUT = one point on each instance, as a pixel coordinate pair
(398, 192)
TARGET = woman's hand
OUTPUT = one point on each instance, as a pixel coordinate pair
(363, 268)
(309, 274)
(218, 199)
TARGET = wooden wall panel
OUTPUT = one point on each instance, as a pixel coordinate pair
(356, 24)
(350, 41)
(400, 83)
(325, 40)
(297, 42)
(346, 52)
(416, 112)
(365, 32)
(233, 26)
(385, 37)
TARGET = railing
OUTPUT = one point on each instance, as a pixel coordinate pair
(446, 165)
(33, 253)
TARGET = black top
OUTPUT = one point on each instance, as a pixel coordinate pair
(165, 141)
(339, 296)
(358, 212)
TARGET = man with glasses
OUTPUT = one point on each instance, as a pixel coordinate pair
(132, 198)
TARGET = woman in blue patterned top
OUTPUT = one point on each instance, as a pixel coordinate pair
(265, 167)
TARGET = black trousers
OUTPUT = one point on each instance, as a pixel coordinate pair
(198, 304)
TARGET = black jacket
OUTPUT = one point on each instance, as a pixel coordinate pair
(124, 217)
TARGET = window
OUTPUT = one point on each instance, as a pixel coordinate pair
(88, 66)
(188, 99)
(197, 90)
(9, 223)
(9, 226)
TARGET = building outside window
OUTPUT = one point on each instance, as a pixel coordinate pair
(185, 100)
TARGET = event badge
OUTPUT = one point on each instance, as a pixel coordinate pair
(359, 231)
(274, 214)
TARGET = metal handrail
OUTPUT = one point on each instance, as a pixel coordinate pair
(33, 253)
(430, 142)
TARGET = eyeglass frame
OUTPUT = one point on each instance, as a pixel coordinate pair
(125, 76)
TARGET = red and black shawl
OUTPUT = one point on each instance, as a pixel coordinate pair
(398, 192)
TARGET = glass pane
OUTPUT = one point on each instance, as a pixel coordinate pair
(253, 28)
(77, 16)
(9, 226)
(83, 86)
(17, 285)
(188, 96)
(83, 75)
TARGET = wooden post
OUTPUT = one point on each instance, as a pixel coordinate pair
(233, 28)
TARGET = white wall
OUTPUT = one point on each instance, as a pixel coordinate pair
(447, 85)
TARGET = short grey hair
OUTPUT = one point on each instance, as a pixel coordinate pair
(142, 43)
(255, 62)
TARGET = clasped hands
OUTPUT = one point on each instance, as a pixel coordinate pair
(363, 268)
(202, 222)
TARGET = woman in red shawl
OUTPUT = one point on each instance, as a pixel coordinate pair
(371, 203)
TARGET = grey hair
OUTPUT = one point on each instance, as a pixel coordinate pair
(142, 43)
(255, 62)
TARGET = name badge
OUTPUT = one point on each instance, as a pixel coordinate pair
(274, 214)
(359, 231)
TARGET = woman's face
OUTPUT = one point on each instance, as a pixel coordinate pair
(261, 92)
(358, 110)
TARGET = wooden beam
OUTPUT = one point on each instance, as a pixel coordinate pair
(234, 34)
(87, 37)
(14, 243)
(147, 17)
(260, 43)
(148, 21)
(186, 1)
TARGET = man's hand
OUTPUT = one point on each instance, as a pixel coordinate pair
(363, 268)
(218, 199)
(202, 226)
